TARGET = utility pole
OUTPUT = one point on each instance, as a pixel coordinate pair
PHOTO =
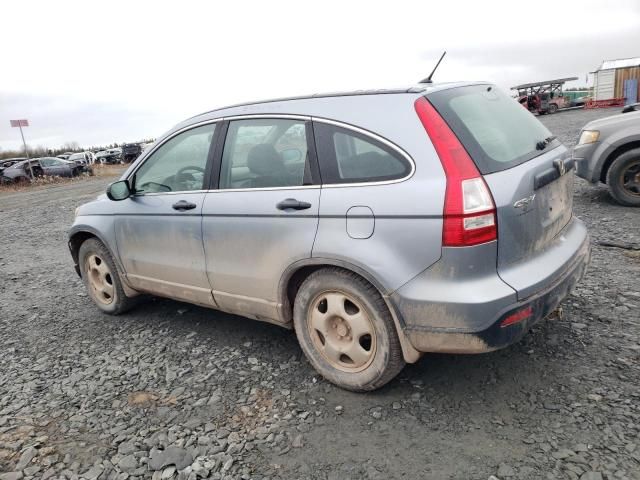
(23, 123)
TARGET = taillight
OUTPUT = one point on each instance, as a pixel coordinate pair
(469, 216)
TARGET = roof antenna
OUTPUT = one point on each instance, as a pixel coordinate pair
(428, 79)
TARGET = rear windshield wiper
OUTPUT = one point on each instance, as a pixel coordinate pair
(542, 144)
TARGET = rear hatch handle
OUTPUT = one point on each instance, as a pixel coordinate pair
(560, 167)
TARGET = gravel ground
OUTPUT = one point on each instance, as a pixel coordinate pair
(176, 391)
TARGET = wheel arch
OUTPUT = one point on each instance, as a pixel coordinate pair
(615, 154)
(293, 277)
(78, 235)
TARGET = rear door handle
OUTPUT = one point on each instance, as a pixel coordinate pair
(292, 204)
(183, 205)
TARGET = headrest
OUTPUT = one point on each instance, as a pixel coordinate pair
(264, 160)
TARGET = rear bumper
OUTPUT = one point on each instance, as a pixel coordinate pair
(475, 327)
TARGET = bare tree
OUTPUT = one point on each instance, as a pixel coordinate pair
(71, 146)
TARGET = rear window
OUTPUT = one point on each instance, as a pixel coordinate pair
(495, 129)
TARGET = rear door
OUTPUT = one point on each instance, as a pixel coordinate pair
(263, 215)
(528, 171)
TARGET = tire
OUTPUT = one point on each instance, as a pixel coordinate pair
(99, 270)
(623, 178)
(553, 108)
(346, 331)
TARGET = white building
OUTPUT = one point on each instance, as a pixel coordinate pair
(617, 79)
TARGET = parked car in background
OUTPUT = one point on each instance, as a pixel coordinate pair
(64, 168)
(130, 151)
(7, 162)
(102, 156)
(22, 171)
(608, 151)
(380, 224)
(108, 156)
(64, 156)
(83, 158)
(52, 166)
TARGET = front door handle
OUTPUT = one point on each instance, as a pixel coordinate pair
(292, 204)
(183, 205)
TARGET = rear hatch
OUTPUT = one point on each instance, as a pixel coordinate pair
(528, 171)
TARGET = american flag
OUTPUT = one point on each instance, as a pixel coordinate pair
(19, 123)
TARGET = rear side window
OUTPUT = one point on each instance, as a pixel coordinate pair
(264, 153)
(346, 156)
(496, 130)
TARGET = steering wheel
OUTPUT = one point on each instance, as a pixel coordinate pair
(181, 179)
(184, 169)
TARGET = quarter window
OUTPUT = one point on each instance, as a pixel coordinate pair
(178, 165)
(260, 153)
(350, 157)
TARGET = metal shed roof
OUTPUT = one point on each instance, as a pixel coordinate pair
(620, 63)
(557, 81)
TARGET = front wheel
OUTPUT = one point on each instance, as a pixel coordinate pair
(346, 331)
(623, 178)
(101, 278)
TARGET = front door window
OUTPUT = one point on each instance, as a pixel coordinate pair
(178, 165)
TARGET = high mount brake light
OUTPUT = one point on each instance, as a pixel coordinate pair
(469, 216)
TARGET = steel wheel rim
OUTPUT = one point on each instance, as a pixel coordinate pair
(99, 279)
(630, 179)
(342, 331)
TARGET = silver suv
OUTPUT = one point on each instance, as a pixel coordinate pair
(608, 151)
(378, 224)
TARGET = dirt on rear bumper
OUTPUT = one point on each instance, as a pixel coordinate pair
(496, 336)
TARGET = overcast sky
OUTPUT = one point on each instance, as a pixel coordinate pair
(125, 70)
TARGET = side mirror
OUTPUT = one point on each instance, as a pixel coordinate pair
(119, 190)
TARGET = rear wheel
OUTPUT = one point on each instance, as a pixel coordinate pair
(553, 108)
(346, 331)
(623, 178)
(101, 278)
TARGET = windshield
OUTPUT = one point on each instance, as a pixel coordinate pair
(495, 129)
